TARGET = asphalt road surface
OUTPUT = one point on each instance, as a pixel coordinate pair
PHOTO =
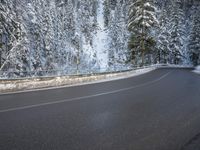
(159, 110)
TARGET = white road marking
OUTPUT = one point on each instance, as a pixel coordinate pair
(86, 97)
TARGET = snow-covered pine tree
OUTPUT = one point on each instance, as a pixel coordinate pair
(142, 19)
(35, 36)
(162, 53)
(10, 37)
(47, 28)
(106, 12)
(64, 12)
(3, 34)
(177, 32)
(39, 35)
(118, 33)
(194, 38)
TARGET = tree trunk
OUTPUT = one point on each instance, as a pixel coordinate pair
(0, 59)
(143, 36)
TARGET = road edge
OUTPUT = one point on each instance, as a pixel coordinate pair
(105, 78)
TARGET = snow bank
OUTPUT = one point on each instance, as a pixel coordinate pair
(174, 66)
(7, 86)
(66, 81)
(197, 70)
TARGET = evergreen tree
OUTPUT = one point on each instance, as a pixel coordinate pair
(10, 35)
(106, 12)
(142, 19)
(118, 34)
(194, 38)
(38, 37)
(162, 53)
(177, 33)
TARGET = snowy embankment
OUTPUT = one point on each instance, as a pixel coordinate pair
(197, 70)
(7, 86)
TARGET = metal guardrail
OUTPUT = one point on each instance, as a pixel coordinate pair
(23, 75)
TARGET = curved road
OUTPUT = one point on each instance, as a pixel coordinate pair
(159, 110)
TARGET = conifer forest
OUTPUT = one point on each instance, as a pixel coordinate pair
(53, 37)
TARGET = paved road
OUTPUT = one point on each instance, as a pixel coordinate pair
(159, 110)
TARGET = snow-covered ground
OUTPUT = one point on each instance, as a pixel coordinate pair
(173, 66)
(197, 70)
(101, 39)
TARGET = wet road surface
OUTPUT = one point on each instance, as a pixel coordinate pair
(159, 110)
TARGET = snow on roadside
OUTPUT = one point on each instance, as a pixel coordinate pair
(4, 87)
(197, 70)
(7, 86)
(174, 66)
(30, 84)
